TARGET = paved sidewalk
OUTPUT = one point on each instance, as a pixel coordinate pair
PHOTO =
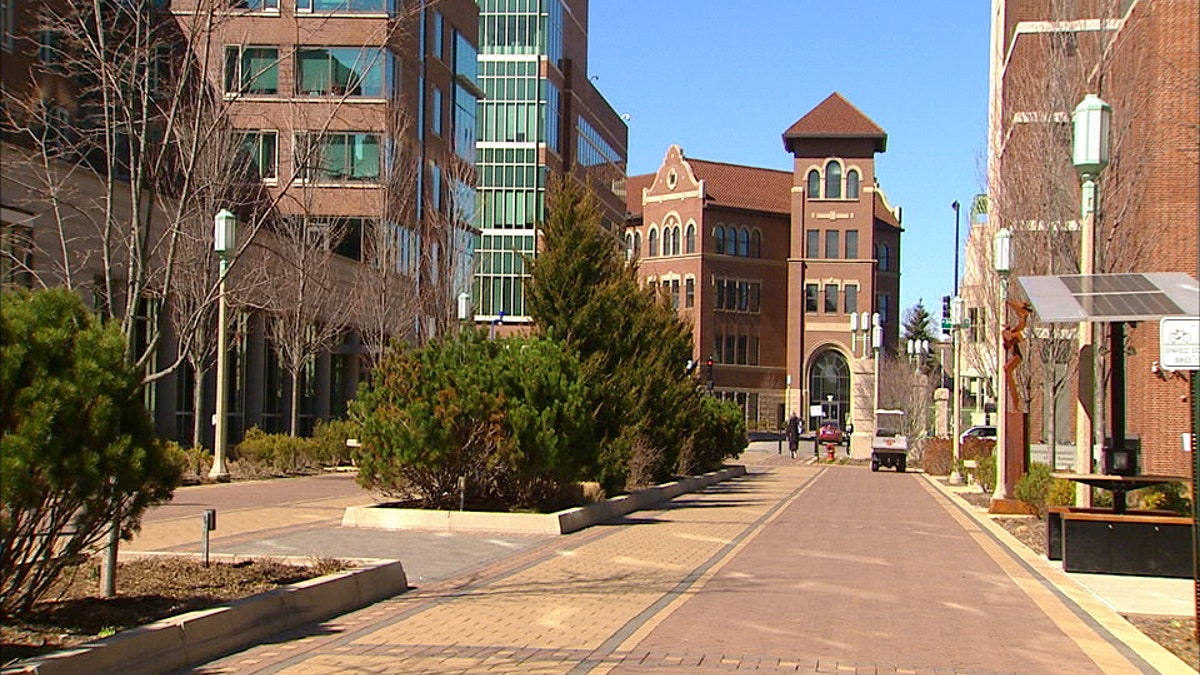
(792, 568)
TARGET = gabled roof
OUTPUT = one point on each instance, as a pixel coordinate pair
(883, 212)
(745, 187)
(726, 185)
(835, 117)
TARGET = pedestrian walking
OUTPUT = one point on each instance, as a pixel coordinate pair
(793, 434)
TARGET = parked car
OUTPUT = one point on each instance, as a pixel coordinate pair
(983, 432)
(830, 432)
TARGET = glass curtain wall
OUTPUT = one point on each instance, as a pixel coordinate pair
(518, 117)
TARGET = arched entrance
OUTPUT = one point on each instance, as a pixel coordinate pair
(829, 375)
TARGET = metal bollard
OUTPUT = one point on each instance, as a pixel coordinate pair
(209, 520)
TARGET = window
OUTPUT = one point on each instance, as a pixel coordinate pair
(341, 71)
(675, 294)
(812, 244)
(690, 243)
(261, 150)
(814, 184)
(851, 244)
(977, 328)
(741, 349)
(343, 236)
(833, 180)
(852, 184)
(256, 5)
(637, 244)
(435, 35)
(851, 299)
(7, 22)
(628, 246)
(653, 241)
(719, 239)
(375, 6)
(689, 293)
(16, 255)
(881, 305)
(251, 70)
(339, 157)
(831, 243)
(49, 51)
(437, 111)
(810, 297)
(743, 243)
(755, 296)
(882, 256)
(831, 298)
(756, 244)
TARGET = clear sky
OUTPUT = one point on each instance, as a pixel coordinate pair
(724, 79)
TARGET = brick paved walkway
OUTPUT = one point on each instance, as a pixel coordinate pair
(792, 569)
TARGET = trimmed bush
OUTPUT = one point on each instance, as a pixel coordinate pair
(1165, 497)
(985, 472)
(1041, 491)
(936, 457)
(77, 449)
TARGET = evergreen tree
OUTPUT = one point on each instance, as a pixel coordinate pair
(633, 347)
(918, 325)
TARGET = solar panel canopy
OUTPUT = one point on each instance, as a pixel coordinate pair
(1112, 297)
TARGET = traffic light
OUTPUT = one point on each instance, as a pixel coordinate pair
(945, 309)
(709, 373)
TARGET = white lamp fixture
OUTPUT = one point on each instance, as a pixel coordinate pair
(1002, 251)
(1091, 120)
(225, 232)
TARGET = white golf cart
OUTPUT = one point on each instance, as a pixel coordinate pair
(889, 447)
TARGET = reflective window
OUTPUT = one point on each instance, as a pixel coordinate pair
(743, 242)
(852, 184)
(341, 71)
(338, 157)
(251, 70)
(260, 149)
(833, 180)
(690, 245)
(718, 239)
(814, 184)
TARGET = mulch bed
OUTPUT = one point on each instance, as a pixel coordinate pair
(147, 590)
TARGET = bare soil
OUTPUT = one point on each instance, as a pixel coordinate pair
(147, 590)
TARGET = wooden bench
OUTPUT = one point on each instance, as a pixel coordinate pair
(1099, 541)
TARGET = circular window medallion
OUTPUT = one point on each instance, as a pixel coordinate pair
(672, 179)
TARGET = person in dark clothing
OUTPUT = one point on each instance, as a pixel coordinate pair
(793, 434)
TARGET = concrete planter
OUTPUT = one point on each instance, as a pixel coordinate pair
(206, 634)
(560, 522)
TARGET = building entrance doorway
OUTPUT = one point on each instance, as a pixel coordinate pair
(829, 387)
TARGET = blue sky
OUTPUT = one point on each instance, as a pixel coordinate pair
(724, 79)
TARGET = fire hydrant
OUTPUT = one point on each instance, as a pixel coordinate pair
(829, 451)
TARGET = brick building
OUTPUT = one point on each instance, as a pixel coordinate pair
(1140, 56)
(352, 124)
(768, 266)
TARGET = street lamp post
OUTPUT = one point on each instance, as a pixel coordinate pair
(1091, 120)
(956, 322)
(224, 243)
(1002, 260)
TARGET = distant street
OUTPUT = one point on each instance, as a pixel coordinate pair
(792, 568)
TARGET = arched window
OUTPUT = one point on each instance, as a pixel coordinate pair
(690, 241)
(743, 243)
(814, 184)
(756, 244)
(676, 241)
(881, 255)
(637, 244)
(653, 244)
(719, 239)
(833, 180)
(629, 246)
(852, 184)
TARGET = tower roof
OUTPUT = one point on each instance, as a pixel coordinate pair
(835, 118)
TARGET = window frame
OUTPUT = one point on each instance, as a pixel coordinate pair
(832, 244)
(852, 184)
(240, 78)
(261, 134)
(833, 179)
(831, 299)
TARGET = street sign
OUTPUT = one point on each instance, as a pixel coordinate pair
(1179, 343)
(946, 325)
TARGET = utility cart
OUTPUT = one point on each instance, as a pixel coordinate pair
(889, 446)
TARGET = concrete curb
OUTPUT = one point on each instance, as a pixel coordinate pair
(561, 522)
(206, 634)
